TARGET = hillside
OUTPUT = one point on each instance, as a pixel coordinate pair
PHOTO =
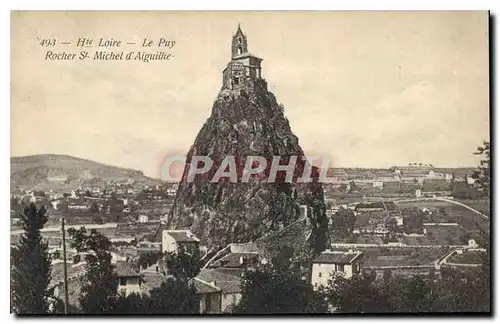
(51, 170)
(222, 212)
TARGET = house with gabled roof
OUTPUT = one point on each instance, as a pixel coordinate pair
(129, 280)
(228, 281)
(209, 295)
(173, 239)
(328, 263)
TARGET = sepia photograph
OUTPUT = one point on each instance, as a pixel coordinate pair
(250, 163)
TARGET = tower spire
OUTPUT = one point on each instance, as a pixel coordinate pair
(239, 44)
(244, 69)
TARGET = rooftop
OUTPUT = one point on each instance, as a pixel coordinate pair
(203, 287)
(232, 260)
(338, 257)
(124, 269)
(245, 55)
(182, 236)
(226, 280)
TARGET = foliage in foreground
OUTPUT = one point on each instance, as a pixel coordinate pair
(31, 266)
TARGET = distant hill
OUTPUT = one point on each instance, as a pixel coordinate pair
(49, 170)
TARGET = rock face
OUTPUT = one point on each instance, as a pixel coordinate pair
(246, 120)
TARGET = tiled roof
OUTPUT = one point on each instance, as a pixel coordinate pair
(182, 236)
(124, 269)
(229, 287)
(338, 257)
(232, 260)
(227, 281)
(203, 287)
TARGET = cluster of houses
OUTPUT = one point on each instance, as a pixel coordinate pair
(106, 199)
(218, 284)
(395, 176)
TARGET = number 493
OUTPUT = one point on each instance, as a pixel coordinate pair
(46, 42)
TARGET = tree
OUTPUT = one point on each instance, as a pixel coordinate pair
(31, 266)
(132, 304)
(344, 221)
(97, 219)
(352, 186)
(464, 290)
(15, 203)
(408, 295)
(77, 258)
(99, 284)
(392, 226)
(185, 263)
(174, 296)
(148, 259)
(355, 295)
(94, 208)
(281, 208)
(482, 175)
(457, 291)
(171, 297)
(278, 288)
(462, 190)
(413, 223)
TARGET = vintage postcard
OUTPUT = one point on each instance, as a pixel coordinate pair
(240, 162)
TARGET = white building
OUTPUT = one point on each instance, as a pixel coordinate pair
(328, 263)
(470, 180)
(399, 220)
(55, 203)
(143, 219)
(473, 244)
(173, 239)
(378, 184)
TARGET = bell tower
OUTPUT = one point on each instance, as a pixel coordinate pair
(239, 44)
(244, 71)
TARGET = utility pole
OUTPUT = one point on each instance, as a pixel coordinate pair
(65, 269)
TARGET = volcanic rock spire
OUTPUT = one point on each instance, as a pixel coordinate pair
(246, 120)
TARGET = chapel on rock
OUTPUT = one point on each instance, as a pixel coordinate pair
(244, 72)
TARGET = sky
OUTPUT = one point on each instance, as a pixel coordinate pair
(365, 89)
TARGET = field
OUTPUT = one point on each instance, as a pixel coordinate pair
(424, 204)
(439, 235)
(472, 222)
(468, 257)
(374, 257)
